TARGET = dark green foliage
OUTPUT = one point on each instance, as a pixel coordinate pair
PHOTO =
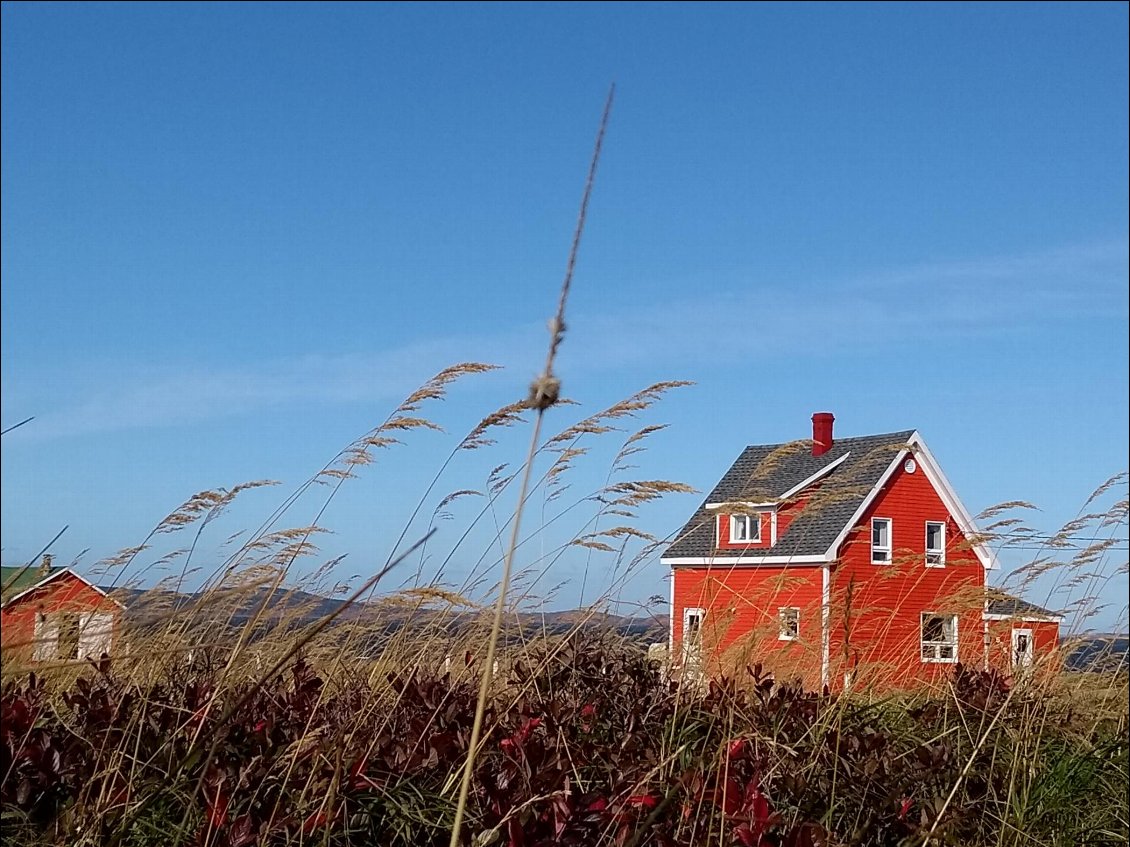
(586, 744)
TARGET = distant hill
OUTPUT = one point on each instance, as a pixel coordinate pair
(1100, 652)
(237, 608)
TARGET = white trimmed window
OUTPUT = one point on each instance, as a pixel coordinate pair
(935, 544)
(939, 638)
(692, 625)
(880, 541)
(693, 620)
(1022, 649)
(745, 529)
(788, 622)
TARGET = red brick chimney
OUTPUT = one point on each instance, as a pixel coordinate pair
(822, 432)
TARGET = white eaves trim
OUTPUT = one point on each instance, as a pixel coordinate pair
(707, 561)
(988, 616)
(800, 486)
(926, 461)
(746, 504)
(56, 575)
(946, 491)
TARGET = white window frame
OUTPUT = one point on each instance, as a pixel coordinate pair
(1030, 655)
(936, 556)
(882, 550)
(687, 613)
(783, 628)
(753, 524)
(46, 636)
(690, 647)
(937, 648)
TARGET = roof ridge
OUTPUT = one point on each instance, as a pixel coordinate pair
(838, 440)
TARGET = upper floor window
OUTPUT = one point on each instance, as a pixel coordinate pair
(880, 541)
(935, 544)
(745, 529)
(788, 620)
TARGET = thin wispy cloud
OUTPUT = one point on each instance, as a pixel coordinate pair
(959, 298)
(771, 318)
(113, 397)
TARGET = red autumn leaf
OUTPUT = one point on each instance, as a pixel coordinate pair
(648, 801)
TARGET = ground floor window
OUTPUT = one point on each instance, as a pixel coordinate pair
(1022, 649)
(692, 640)
(939, 637)
(788, 622)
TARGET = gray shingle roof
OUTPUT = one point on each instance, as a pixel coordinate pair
(764, 473)
(1000, 603)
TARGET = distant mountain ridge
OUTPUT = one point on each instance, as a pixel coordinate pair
(237, 607)
(1089, 652)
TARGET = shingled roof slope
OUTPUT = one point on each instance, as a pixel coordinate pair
(1000, 603)
(764, 473)
(16, 580)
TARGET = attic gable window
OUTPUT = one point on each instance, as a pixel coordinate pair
(935, 544)
(939, 638)
(880, 541)
(745, 529)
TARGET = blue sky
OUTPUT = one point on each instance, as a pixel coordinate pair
(234, 236)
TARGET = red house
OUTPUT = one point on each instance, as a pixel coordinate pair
(843, 561)
(50, 614)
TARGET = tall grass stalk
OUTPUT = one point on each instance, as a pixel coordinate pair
(544, 393)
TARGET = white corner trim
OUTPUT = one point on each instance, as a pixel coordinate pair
(671, 618)
(825, 634)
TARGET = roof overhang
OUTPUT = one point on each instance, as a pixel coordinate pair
(743, 561)
(991, 616)
(792, 492)
(917, 447)
(55, 575)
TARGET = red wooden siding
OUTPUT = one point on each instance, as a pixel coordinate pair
(742, 615)
(1045, 637)
(876, 609)
(64, 593)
